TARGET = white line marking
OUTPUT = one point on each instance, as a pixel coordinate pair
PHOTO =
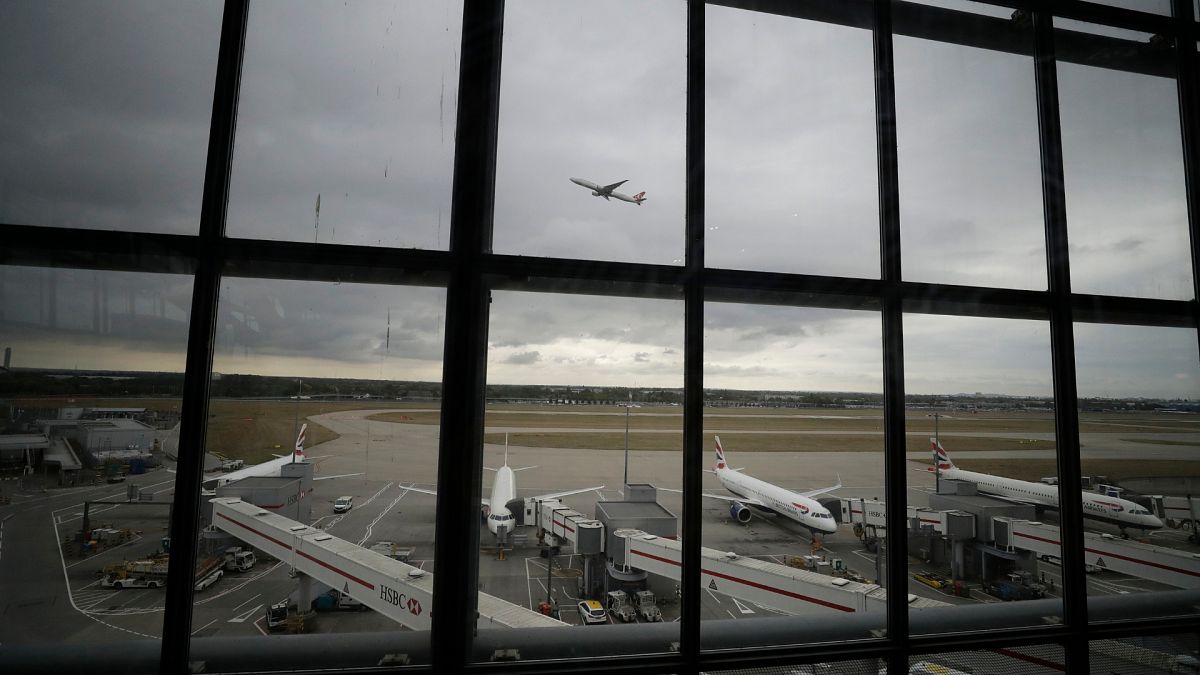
(245, 615)
(204, 626)
(528, 588)
(252, 598)
(371, 527)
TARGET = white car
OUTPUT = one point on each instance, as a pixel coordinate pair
(343, 504)
(591, 611)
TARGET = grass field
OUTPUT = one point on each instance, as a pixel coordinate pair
(250, 430)
(747, 442)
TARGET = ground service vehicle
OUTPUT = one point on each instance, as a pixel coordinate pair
(932, 579)
(150, 573)
(238, 560)
(208, 572)
(591, 611)
(343, 504)
(647, 607)
(619, 607)
(277, 616)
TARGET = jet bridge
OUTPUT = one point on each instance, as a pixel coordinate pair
(1156, 563)
(586, 535)
(396, 590)
(787, 589)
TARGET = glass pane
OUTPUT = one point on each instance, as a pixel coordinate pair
(1152, 6)
(346, 123)
(1123, 165)
(1138, 388)
(970, 172)
(793, 436)
(89, 422)
(322, 461)
(983, 523)
(593, 96)
(1029, 660)
(105, 115)
(583, 437)
(862, 667)
(789, 146)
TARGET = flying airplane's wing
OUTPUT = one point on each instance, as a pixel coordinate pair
(725, 498)
(614, 186)
(820, 491)
(568, 493)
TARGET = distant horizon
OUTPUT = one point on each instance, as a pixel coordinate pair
(125, 374)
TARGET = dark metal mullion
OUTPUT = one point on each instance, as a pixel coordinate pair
(1062, 341)
(895, 487)
(1188, 81)
(185, 517)
(693, 355)
(464, 359)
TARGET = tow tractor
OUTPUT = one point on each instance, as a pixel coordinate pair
(647, 607)
(619, 607)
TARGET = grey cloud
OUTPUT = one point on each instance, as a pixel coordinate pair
(524, 358)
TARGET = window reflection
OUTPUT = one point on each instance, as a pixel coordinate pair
(346, 123)
(104, 123)
(1123, 166)
(594, 91)
(789, 146)
(793, 425)
(1137, 392)
(582, 436)
(983, 499)
(323, 422)
(970, 176)
(89, 421)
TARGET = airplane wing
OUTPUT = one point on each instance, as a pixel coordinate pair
(820, 491)
(568, 493)
(414, 488)
(342, 475)
(614, 186)
(725, 498)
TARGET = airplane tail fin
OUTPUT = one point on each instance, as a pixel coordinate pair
(299, 451)
(720, 453)
(940, 458)
(639, 197)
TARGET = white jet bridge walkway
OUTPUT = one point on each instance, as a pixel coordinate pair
(396, 590)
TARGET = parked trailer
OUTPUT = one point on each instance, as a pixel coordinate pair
(619, 607)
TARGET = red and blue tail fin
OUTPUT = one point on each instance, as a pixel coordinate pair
(299, 450)
(940, 458)
(720, 454)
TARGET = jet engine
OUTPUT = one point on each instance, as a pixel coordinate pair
(740, 512)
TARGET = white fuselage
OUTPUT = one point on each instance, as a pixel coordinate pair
(804, 510)
(1115, 510)
(270, 468)
(504, 490)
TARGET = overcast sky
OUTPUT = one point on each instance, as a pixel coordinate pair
(105, 122)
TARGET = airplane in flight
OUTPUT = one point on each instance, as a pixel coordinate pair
(752, 492)
(1120, 512)
(607, 191)
(271, 468)
(499, 508)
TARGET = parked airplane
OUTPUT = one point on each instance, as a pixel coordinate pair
(798, 506)
(271, 468)
(607, 191)
(498, 509)
(1120, 512)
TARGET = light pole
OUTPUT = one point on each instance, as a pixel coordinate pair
(937, 443)
(625, 484)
